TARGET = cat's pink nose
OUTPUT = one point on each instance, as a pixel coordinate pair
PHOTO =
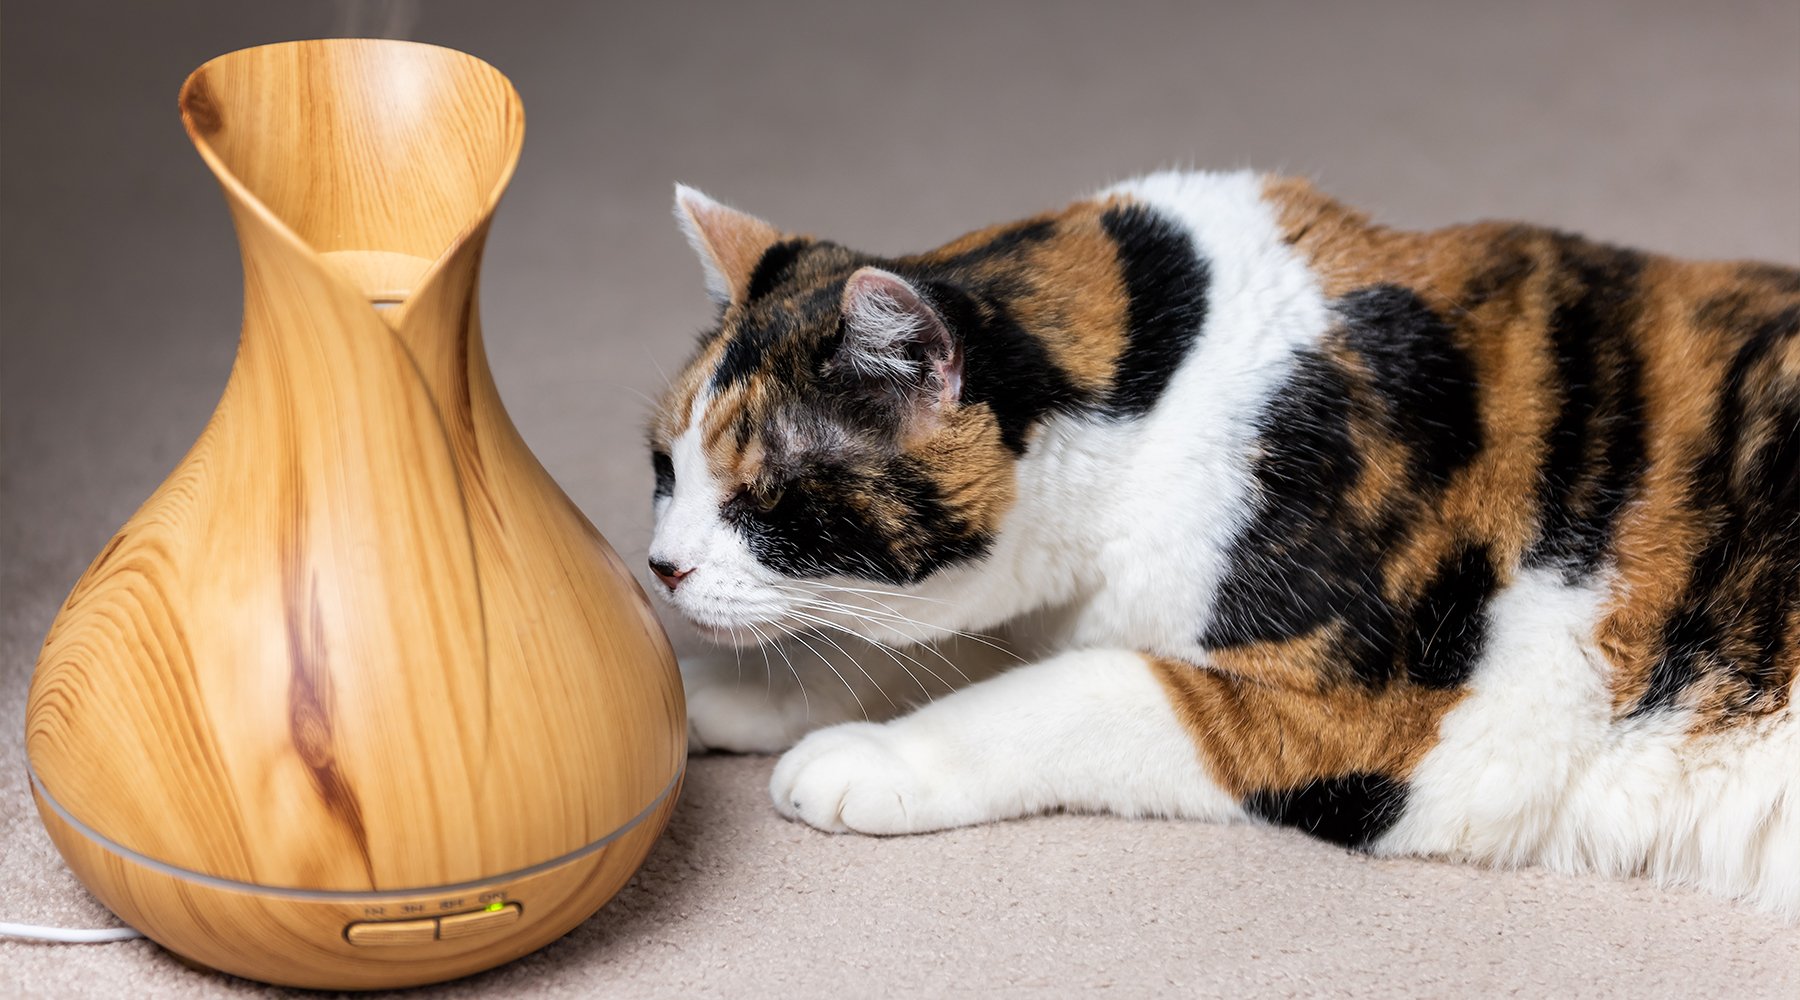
(668, 574)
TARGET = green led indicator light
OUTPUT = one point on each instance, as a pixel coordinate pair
(496, 906)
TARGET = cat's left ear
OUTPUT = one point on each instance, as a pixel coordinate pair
(894, 338)
(730, 243)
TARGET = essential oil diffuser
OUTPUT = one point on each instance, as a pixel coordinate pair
(358, 698)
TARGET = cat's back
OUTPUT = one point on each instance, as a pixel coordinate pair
(1639, 433)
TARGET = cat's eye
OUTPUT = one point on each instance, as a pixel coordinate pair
(665, 473)
(767, 496)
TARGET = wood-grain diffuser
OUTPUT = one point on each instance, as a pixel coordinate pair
(358, 698)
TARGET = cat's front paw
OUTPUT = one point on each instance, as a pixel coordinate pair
(860, 778)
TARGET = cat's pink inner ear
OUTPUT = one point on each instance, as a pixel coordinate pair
(729, 242)
(890, 325)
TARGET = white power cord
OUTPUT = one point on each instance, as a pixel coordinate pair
(68, 935)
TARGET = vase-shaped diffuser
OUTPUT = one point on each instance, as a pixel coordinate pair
(358, 698)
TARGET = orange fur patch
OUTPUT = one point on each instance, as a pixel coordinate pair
(1254, 736)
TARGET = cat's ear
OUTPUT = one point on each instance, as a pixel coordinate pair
(895, 339)
(729, 242)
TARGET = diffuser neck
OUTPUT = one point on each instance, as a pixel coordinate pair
(376, 163)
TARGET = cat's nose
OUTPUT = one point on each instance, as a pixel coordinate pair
(668, 574)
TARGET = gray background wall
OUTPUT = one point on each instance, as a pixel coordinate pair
(893, 126)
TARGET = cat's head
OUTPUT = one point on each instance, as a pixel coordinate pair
(821, 433)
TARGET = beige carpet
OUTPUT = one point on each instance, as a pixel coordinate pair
(1668, 125)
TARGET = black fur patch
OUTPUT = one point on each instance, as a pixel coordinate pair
(744, 352)
(1167, 284)
(1449, 621)
(1310, 558)
(1307, 560)
(772, 267)
(1596, 445)
(1426, 381)
(1353, 810)
(823, 526)
(664, 468)
(1297, 566)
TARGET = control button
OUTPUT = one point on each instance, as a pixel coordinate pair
(479, 922)
(382, 932)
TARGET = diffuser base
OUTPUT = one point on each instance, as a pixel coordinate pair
(303, 939)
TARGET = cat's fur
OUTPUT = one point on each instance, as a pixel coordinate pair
(1480, 543)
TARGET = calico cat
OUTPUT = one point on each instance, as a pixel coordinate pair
(1481, 543)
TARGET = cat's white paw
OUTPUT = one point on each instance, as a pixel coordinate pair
(859, 777)
(742, 718)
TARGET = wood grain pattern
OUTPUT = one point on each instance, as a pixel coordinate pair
(359, 640)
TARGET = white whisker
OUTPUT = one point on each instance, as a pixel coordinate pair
(896, 655)
(804, 700)
(878, 593)
(768, 668)
(880, 689)
(866, 615)
(825, 660)
(992, 642)
(853, 660)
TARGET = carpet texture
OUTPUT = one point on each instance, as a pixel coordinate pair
(1671, 126)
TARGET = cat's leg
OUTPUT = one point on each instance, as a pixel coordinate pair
(1119, 732)
(1092, 730)
(740, 705)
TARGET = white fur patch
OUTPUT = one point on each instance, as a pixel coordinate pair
(1532, 769)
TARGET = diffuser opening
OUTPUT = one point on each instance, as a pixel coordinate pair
(379, 156)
